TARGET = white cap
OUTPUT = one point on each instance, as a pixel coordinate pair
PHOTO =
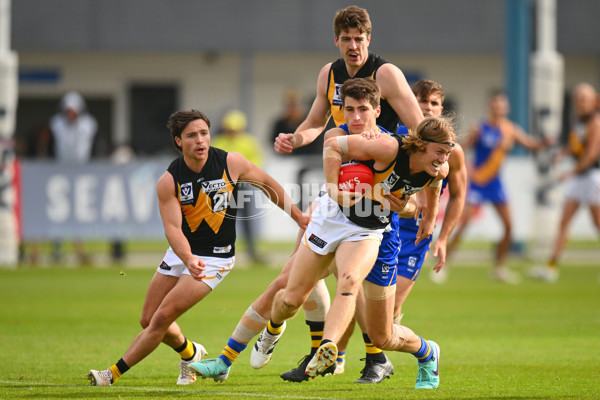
(73, 101)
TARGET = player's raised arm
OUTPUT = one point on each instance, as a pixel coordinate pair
(245, 171)
(457, 187)
(432, 196)
(396, 90)
(315, 121)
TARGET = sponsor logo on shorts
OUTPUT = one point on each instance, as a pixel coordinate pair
(213, 186)
(165, 266)
(219, 276)
(317, 241)
(222, 250)
(412, 261)
(186, 193)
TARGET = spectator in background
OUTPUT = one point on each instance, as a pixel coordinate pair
(235, 138)
(293, 114)
(73, 130)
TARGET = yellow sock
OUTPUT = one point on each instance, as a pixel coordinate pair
(274, 330)
(370, 349)
(186, 351)
(115, 373)
(118, 369)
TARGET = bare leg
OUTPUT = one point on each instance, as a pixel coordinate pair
(185, 294)
(465, 219)
(403, 288)
(159, 287)
(569, 210)
(503, 211)
(306, 270)
(354, 261)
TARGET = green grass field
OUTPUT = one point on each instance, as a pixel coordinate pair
(528, 341)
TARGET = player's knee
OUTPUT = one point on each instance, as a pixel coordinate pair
(292, 303)
(393, 341)
(144, 321)
(289, 301)
(379, 339)
(161, 319)
(348, 282)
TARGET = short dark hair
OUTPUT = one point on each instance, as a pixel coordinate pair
(497, 92)
(352, 17)
(361, 89)
(180, 119)
(426, 87)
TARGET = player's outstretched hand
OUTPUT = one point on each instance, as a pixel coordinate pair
(439, 251)
(426, 227)
(284, 143)
(303, 220)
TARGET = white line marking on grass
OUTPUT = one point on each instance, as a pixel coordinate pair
(151, 389)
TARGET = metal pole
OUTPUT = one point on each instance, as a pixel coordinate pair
(517, 51)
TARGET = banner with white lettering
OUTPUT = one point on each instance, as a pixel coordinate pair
(96, 200)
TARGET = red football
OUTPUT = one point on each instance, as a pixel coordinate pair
(355, 177)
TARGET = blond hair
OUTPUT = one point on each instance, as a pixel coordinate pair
(431, 129)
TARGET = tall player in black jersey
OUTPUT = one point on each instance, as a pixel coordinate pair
(194, 198)
(352, 30)
(352, 35)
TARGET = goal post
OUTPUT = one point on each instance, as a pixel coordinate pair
(8, 104)
(547, 91)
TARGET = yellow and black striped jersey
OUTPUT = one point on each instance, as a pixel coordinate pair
(206, 198)
(578, 139)
(338, 74)
(395, 179)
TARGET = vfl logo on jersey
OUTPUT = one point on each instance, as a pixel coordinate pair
(186, 193)
(490, 139)
(337, 99)
(317, 241)
(390, 181)
(213, 186)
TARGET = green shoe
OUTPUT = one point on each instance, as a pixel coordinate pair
(214, 368)
(428, 376)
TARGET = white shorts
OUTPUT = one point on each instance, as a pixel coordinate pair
(216, 268)
(329, 227)
(585, 188)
